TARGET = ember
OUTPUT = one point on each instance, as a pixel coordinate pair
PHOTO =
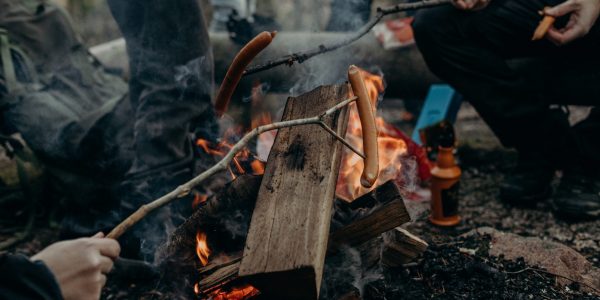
(236, 293)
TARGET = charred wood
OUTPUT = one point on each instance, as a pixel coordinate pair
(213, 277)
(287, 240)
(401, 247)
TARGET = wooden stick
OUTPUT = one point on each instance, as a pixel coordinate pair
(302, 56)
(184, 189)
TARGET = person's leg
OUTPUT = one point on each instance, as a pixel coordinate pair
(470, 50)
(170, 86)
(171, 75)
(578, 195)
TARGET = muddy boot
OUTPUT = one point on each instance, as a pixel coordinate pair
(529, 182)
(578, 196)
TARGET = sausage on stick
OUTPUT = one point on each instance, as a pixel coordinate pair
(237, 67)
(369, 129)
(542, 29)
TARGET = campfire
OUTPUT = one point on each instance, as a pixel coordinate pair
(393, 149)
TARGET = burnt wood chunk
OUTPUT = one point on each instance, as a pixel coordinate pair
(383, 218)
(287, 240)
(235, 199)
(401, 247)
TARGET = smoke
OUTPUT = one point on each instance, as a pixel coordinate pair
(346, 271)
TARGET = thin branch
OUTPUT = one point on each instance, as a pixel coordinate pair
(185, 189)
(342, 140)
(555, 274)
(302, 56)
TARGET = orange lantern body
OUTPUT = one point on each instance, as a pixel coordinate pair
(445, 186)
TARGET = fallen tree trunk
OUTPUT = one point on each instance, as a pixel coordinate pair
(403, 68)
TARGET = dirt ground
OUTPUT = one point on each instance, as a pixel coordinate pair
(443, 272)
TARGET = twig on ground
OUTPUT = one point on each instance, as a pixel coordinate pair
(556, 275)
(302, 56)
(184, 189)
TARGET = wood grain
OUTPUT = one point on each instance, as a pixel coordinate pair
(287, 240)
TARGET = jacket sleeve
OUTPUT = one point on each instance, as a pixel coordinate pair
(21, 278)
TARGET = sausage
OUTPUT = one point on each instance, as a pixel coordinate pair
(543, 28)
(237, 67)
(369, 129)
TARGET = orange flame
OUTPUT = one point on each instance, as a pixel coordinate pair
(236, 293)
(244, 162)
(202, 249)
(391, 148)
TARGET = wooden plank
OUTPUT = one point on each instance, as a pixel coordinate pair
(287, 241)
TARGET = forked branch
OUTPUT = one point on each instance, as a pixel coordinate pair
(302, 56)
(185, 189)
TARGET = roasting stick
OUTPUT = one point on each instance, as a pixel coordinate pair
(369, 129)
(185, 189)
(236, 69)
(302, 56)
(545, 25)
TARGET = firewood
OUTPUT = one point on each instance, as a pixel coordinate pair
(237, 196)
(382, 219)
(388, 194)
(401, 247)
(220, 276)
(287, 241)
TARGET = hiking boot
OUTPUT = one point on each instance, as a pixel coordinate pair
(528, 183)
(578, 196)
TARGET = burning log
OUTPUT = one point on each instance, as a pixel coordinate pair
(237, 198)
(385, 200)
(382, 219)
(287, 241)
(401, 247)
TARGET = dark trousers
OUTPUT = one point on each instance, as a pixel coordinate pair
(171, 82)
(475, 52)
(171, 78)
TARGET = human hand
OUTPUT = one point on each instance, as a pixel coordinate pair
(80, 266)
(470, 4)
(584, 14)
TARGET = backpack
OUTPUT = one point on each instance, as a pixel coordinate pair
(72, 113)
